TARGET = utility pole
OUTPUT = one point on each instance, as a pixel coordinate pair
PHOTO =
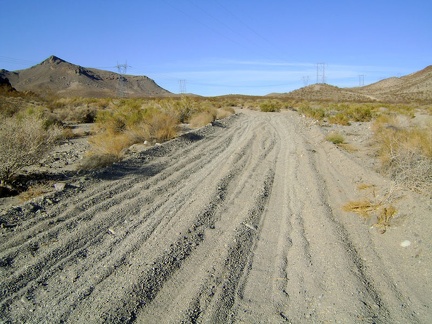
(361, 80)
(121, 86)
(306, 80)
(182, 86)
(321, 73)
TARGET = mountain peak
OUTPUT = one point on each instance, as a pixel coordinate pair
(53, 60)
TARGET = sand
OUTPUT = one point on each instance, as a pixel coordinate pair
(240, 222)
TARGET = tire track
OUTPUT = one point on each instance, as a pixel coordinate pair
(238, 223)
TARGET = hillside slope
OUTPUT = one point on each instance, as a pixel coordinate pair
(413, 87)
(58, 77)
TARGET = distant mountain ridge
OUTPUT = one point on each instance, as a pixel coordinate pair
(59, 77)
(416, 86)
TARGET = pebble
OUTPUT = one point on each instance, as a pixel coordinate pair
(405, 243)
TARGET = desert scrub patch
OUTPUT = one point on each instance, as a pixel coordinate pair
(201, 119)
(335, 138)
(378, 210)
(24, 140)
(270, 106)
(36, 190)
(313, 112)
(405, 153)
(224, 112)
(340, 119)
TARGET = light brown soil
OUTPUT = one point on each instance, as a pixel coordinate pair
(237, 222)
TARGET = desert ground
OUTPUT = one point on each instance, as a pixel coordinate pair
(236, 222)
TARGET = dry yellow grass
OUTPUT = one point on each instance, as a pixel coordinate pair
(201, 119)
(379, 210)
(405, 152)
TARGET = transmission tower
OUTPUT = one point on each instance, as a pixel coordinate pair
(306, 80)
(361, 80)
(182, 86)
(321, 78)
(121, 86)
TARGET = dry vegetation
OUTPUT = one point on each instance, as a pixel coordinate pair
(405, 152)
(31, 125)
(402, 144)
(24, 138)
(373, 207)
(403, 148)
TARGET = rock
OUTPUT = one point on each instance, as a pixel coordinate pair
(59, 186)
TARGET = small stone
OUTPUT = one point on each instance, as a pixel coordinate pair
(405, 243)
(59, 186)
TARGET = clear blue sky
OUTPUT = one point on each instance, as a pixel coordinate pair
(224, 46)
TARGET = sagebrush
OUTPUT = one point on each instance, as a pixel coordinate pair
(24, 140)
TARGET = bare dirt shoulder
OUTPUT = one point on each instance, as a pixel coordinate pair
(236, 222)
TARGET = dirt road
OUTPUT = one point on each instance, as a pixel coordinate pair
(238, 222)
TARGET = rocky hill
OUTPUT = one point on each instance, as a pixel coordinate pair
(57, 77)
(326, 92)
(413, 87)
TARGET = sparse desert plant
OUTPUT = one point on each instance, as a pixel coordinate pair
(360, 113)
(379, 208)
(24, 140)
(405, 153)
(224, 112)
(36, 191)
(201, 119)
(163, 127)
(340, 119)
(315, 113)
(270, 106)
(335, 138)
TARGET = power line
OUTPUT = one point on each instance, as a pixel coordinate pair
(248, 27)
(182, 86)
(204, 24)
(121, 86)
(321, 78)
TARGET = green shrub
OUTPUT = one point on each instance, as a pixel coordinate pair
(270, 106)
(335, 138)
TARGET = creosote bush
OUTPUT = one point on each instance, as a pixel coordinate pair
(335, 138)
(405, 153)
(270, 106)
(202, 119)
(24, 139)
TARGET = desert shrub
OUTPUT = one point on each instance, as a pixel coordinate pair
(163, 127)
(361, 113)
(224, 112)
(24, 140)
(94, 161)
(117, 129)
(315, 113)
(201, 119)
(405, 153)
(184, 108)
(340, 119)
(270, 106)
(335, 138)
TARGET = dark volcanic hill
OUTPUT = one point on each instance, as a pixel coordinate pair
(58, 77)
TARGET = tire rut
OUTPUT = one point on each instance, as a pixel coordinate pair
(238, 222)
